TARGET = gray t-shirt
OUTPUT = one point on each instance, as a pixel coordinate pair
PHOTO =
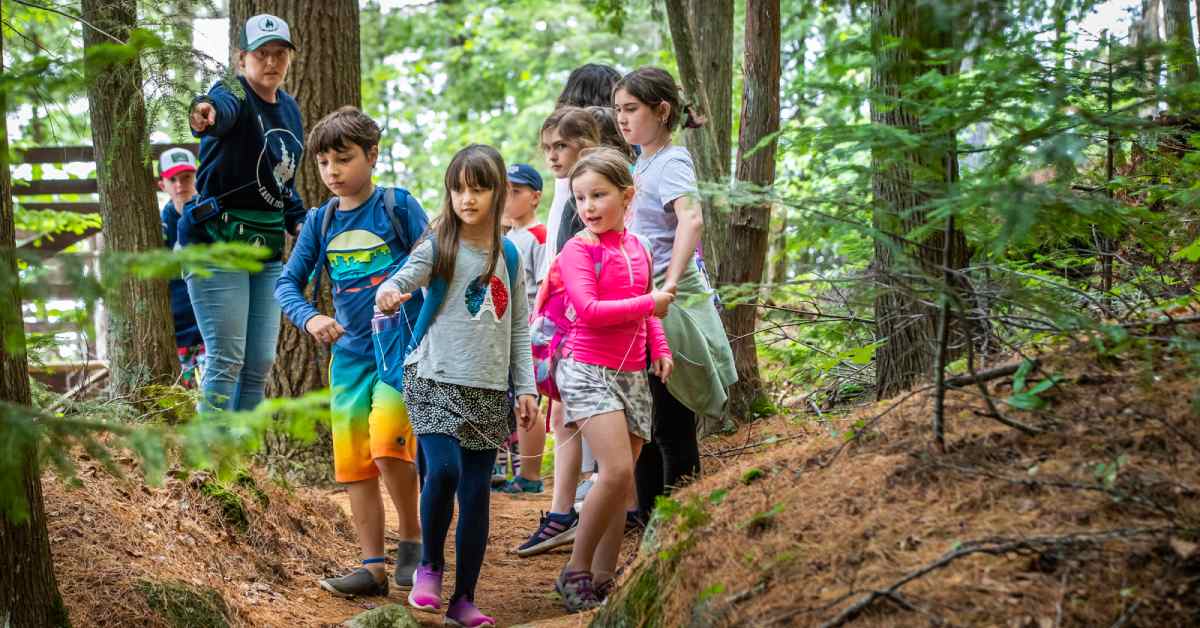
(531, 242)
(663, 177)
(480, 334)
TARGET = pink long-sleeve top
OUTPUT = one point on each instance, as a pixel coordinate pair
(608, 286)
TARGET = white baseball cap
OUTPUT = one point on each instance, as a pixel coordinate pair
(175, 160)
(263, 28)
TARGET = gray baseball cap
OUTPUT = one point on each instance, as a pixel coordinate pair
(263, 28)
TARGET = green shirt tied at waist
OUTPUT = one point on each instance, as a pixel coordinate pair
(704, 367)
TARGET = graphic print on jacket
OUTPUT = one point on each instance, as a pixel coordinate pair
(358, 260)
(493, 300)
(277, 160)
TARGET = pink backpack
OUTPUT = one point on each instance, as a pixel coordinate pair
(552, 318)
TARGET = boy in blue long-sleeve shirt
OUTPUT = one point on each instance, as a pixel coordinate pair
(372, 436)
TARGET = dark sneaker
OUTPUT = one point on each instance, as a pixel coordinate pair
(603, 589)
(463, 612)
(521, 485)
(408, 558)
(360, 582)
(633, 521)
(553, 531)
(576, 590)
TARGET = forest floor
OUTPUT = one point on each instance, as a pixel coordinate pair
(1093, 520)
(181, 555)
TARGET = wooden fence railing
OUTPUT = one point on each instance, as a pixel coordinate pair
(45, 194)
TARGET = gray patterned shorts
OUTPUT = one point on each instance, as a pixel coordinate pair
(589, 389)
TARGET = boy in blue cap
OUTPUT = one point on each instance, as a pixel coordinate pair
(529, 235)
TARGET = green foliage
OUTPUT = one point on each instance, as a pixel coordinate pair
(1028, 399)
(438, 76)
(752, 475)
(221, 443)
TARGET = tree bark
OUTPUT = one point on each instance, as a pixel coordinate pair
(29, 594)
(1182, 58)
(702, 142)
(712, 23)
(750, 225)
(325, 75)
(141, 343)
(903, 182)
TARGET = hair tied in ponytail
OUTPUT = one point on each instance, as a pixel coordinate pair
(692, 118)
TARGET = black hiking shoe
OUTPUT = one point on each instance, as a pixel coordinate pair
(408, 557)
(358, 583)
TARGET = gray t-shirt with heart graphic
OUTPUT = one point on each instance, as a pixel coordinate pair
(481, 333)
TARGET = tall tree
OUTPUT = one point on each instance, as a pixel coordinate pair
(141, 345)
(1181, 62)
(749, 228)
(702, 142)
(904, 180)
(29, 594)
(325, 75)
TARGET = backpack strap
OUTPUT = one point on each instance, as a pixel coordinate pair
(435, 293)
(389, 207)
(326, 218)
(512, 259)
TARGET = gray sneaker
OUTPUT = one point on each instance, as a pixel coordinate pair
(360, 582)
(408, 556)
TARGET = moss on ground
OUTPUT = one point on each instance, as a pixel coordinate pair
(185, 606)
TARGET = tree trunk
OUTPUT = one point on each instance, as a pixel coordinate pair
(1144, 33)
(702, 142)
(141, 343)
(29, 594)
(712, 23)
(749, 228)
(325, 75)
(908, 273)
(1182, 58)
(778, 253)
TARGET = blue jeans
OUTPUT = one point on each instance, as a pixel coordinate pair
(239, 321)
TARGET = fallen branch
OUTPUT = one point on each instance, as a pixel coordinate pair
(986, 375)
(991, 547)
(993, 411)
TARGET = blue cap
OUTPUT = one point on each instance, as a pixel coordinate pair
(525, 174)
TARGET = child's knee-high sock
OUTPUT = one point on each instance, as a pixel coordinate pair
(474, 494)
(442, 473)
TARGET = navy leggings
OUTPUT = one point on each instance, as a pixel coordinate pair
(450, 469)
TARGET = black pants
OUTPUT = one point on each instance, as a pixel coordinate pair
(672, 457)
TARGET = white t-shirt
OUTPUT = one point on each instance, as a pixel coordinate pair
(562, 193)
(663, 177)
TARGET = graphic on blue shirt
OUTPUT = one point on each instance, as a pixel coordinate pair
(358, 260)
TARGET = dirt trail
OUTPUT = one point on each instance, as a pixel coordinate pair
(513, 590)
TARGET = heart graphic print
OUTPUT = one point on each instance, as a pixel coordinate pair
(480, 300)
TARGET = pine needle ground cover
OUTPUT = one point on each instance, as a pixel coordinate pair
(858, 520)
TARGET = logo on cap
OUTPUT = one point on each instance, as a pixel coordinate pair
(513, 170)
(267, 24)
(179, 158)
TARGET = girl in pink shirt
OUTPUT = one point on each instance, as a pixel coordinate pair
(603, 380)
